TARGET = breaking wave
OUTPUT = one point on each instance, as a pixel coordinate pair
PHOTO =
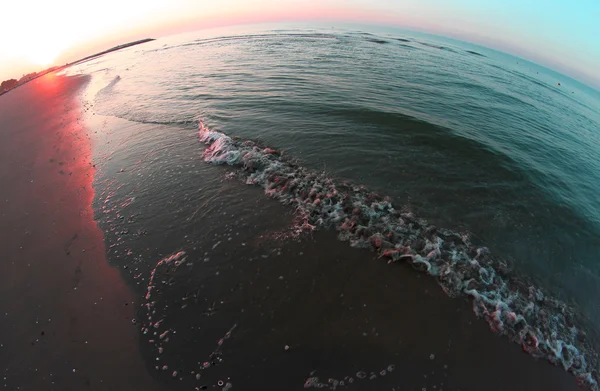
(544, 326)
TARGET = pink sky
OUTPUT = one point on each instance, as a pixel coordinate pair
(56, 32)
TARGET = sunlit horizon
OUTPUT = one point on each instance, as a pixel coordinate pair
(64, 31)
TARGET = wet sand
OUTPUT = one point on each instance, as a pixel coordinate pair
(65, 313)
(313, 307)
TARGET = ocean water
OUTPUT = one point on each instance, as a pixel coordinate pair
(478, 168)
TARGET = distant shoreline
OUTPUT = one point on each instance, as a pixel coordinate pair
(35, 75)
(113, 49)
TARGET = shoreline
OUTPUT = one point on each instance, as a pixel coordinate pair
(340, 310)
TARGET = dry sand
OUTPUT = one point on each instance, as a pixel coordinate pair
(65, 314)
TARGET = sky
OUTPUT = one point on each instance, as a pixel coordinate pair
(563, 35)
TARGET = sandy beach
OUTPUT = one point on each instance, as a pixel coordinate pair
(66, 315)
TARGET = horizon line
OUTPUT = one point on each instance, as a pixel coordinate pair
(594, 85)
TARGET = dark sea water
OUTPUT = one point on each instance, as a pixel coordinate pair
(367, 135)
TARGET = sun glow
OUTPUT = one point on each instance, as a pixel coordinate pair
(43, 56)
(48, 29)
